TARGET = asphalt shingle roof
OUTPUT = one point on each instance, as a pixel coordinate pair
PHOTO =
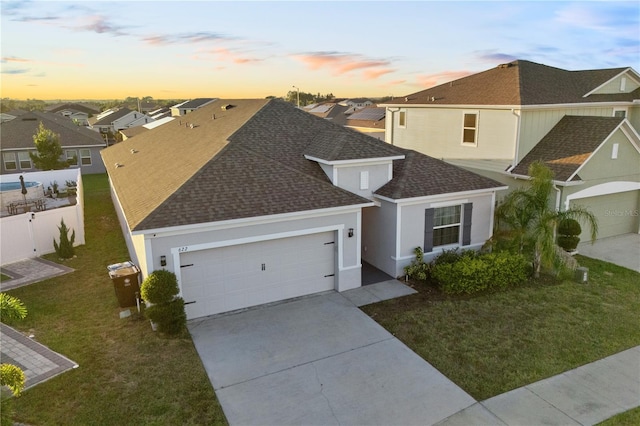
(569, 144)
(248, 161)
(196, 103)
(419, 175)
(519, 83)
(19, 132)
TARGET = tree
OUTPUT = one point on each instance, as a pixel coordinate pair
(526, 218)
(48, 149)
(65, 249)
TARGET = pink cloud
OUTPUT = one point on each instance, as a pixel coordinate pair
(431, 80)
(374, 74)
(14, 59)
(343, 63)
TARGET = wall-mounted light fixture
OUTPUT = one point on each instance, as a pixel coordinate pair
(350, 232)
(163, 260)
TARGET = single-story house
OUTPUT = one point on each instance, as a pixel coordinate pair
(255, 201)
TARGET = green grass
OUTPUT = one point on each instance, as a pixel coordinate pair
(491, 343)
(4, 277)
(127, 374)
(628, 418)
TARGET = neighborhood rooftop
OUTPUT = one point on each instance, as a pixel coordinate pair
(250, 160)
(520, 83)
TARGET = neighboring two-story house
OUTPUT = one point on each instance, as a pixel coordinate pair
(260, 201)
(80, 145)
(582, 124)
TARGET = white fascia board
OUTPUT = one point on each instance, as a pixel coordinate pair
(249, 221)
(83, 146)
(631, 71)
(453, 106)
(577, 105)
(359, 161)
(441, 197)
(555, 182)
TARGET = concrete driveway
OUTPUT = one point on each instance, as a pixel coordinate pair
(319, 360)
(623, 250)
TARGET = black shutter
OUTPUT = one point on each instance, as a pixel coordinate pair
(466, 224)
(428, 230)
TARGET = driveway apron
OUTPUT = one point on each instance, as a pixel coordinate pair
(319, 360)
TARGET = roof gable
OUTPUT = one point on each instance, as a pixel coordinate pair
(569, 144)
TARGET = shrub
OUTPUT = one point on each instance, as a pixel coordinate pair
(568, 234)
(170, 317)
(160, 286)
(166, 310)
(64, 250)
(569, 227)
(473, 273)
(418, 269)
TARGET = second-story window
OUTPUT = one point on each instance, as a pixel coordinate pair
(402, 119)
(470, 128)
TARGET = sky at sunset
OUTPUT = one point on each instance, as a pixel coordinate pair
(174, 50)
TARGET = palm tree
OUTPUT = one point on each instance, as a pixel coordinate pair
(528, 220)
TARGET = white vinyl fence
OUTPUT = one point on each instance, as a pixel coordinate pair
(31, 234)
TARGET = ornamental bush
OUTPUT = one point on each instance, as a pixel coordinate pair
(568, 234)
(170, 317)
(160, 286)
(473, 273)
(65, 249)
(165, 310)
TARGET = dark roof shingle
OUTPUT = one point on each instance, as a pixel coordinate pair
(249, 161)
(19, 132)
(519, 83)
(569, 144)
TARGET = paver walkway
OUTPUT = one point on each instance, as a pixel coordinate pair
(29, 271)
(38, 362)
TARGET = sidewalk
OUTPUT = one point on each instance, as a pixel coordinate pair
(586, 395)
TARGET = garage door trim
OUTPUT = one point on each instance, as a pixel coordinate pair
(602, 189)
(176, 251)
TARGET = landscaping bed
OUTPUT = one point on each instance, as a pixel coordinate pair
(489, 343)
(127, 374)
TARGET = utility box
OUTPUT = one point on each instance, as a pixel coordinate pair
(582, 275)
(126, 283)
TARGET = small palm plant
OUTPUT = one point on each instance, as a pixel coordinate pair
(526, 218)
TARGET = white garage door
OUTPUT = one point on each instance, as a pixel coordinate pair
(234, 277)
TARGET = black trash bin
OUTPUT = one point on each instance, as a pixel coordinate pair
(126, 282)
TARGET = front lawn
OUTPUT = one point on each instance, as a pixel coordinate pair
(127, 374)
(491, 343)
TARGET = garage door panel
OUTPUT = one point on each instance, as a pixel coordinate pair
(616, 213)
(230, 278)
